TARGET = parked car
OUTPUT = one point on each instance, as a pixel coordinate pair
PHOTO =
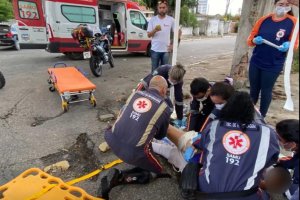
(9, 35)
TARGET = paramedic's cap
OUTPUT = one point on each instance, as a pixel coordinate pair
(289, 130)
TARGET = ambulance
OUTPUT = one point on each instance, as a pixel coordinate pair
(51, 22)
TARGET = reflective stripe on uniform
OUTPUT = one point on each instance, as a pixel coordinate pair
(120, 115)
(212, 136)
(179, 103)
(261, 158)
(152, 122)
(194, 112)
(145, 84)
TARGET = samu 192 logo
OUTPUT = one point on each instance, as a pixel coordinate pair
(280, 34)
(236, 142)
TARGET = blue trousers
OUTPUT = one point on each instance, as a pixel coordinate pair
(263, 82)
(159, 58)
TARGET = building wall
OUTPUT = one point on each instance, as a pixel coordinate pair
(202, 7)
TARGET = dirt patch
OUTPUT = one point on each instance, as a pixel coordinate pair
(80, 156)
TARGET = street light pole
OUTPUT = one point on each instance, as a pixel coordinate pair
(176, 29)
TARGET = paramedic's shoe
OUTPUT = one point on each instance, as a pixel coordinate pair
(108, 182)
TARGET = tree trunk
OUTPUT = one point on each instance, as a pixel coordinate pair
(252, 10)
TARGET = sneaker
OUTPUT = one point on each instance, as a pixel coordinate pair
(108, 182)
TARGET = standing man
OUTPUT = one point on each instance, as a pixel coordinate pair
(145, 116)
(159, 29)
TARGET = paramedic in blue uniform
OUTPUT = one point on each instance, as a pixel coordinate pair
(145, 116)
(174, 76)
(288, 134)
(201, 105)
(267, 62)
(235, 152)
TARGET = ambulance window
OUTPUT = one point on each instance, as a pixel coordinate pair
(138, 19)
(28, 10)
(79, 14)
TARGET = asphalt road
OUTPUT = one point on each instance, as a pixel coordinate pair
(33, 126)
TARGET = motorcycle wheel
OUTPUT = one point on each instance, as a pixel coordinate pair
(2, 80)
(96, 66)
(111, 61)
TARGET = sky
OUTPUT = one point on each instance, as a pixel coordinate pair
(219, 6)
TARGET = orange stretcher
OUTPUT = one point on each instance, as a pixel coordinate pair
(34, 184)
(70, 83)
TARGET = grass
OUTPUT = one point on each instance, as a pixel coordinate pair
(296, 62)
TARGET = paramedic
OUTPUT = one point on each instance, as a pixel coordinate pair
(174, 76)
(235, 152)
(267, 62)
(201, 105)
(145, 116)
(288, 134)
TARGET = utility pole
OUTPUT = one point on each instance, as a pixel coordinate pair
(227, 7)
(252, 10)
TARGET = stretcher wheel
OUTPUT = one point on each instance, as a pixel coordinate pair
(52, 89)
(49, 81)
(65, 106)
(93, 101)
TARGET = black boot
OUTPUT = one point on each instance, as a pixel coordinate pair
(116, 177)
(136, 176)
(109, 181)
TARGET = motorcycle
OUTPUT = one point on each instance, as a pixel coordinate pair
(101, 51)
(2, 80)
(97, 47)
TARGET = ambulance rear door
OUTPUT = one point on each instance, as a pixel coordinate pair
(31, 23)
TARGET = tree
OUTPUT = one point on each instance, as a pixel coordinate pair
(187, 18)
(5, 10)
(252, 10)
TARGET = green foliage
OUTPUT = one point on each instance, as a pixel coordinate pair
(140, 2)
(230, 17)
(6, 12)
(187, 18)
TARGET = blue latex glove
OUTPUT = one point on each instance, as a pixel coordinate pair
(258, 40)
(189, 154)
(178, 123)
(285, 47)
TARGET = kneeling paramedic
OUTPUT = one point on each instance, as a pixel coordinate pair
(174, 76)
(235, 152)
(146, 116)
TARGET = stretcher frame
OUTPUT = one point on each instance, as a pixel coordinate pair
(66, 97)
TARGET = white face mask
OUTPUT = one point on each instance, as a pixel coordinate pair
(171, 83)
(283, 147)
(220, 106)
(281, 11)
(202, 99)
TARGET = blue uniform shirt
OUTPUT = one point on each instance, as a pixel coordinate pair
(264, 56)
(145, 116)
(234, 160)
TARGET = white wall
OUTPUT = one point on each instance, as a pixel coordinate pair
(212, 27)
(187, 31)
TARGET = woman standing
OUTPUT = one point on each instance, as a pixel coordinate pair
(267, 62)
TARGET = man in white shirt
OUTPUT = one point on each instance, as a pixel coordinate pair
(159, 29)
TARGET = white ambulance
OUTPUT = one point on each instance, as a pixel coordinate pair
(54, 20)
